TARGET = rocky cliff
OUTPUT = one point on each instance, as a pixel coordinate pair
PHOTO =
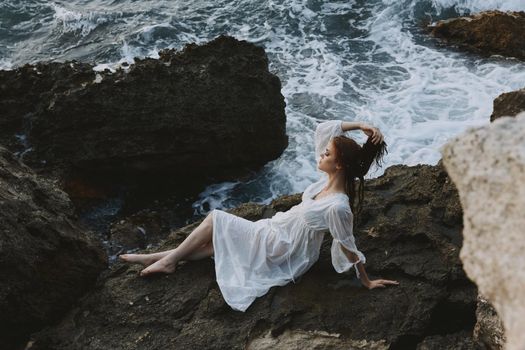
(488, 166)
(508, 104)
(207, 113)
(47, 260)
(411, 231)
(489, 33)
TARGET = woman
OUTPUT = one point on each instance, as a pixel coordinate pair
(251, 257)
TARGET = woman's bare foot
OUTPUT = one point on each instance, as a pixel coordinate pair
(144, 259)
(161, 266)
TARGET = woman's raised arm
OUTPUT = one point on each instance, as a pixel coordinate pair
(347, 126)
(369, 130)
(331, 128)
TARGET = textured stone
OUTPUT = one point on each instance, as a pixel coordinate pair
(508, 104)
(204, 114)
(47, 260)
(489, 32)
(456, 341)
(489, 328)
(487, 164)
(410, 230)
(312, 340)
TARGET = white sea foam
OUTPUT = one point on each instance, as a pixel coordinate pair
(342, 59)
(5, 64)
(74, 21)
(419, 96)
(441, 94)
(472, 6)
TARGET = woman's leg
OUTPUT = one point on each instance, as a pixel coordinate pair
(201, 252)
(144, 259)
(189, 249)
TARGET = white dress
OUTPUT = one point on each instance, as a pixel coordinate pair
(251, 257)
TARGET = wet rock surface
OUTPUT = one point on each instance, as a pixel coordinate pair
(47, 261)
(410, 231)
(489, 329)
(456, 341)
(489, 33)
(25, 94)
(298, 340)
(139, 230)
(205, 114)
(508, 104)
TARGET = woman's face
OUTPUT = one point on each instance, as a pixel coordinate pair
(327, 163)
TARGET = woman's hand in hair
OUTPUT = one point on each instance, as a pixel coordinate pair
(379, 283)
(373, 132)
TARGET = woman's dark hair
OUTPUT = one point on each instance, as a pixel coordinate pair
(356, 161)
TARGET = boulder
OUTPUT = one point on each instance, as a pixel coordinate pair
(489, 32)
(508, 104)
(205, 114)
(299, 340)
(487, 164)
(457, 341)
(410, 231)
(489, 328)
(47, 260)
(25, 93)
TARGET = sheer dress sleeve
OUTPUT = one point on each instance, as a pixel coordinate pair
(324, 132)
(340, 220)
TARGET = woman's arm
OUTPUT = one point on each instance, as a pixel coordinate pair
(353, 258)
(369, 130)
(363, 276)
(347, 126)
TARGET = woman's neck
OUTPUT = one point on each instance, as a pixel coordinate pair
(335, 182)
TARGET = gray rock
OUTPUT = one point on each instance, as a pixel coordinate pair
(205, 114)
(489, 328)
(410, 231)
(456, 341)
(508, 104)
(47, 261)
(312, 340)
(488, 32)
(487, 165)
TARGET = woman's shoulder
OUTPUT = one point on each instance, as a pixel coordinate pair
(341, 203)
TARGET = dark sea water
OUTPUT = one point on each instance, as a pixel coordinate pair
(353, 60)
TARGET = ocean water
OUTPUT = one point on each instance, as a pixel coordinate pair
(366, 60)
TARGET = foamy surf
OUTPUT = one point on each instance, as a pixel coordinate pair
(351, 60)
(420, 95)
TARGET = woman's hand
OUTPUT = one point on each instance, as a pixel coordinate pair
(379, 283)
(372, 131)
